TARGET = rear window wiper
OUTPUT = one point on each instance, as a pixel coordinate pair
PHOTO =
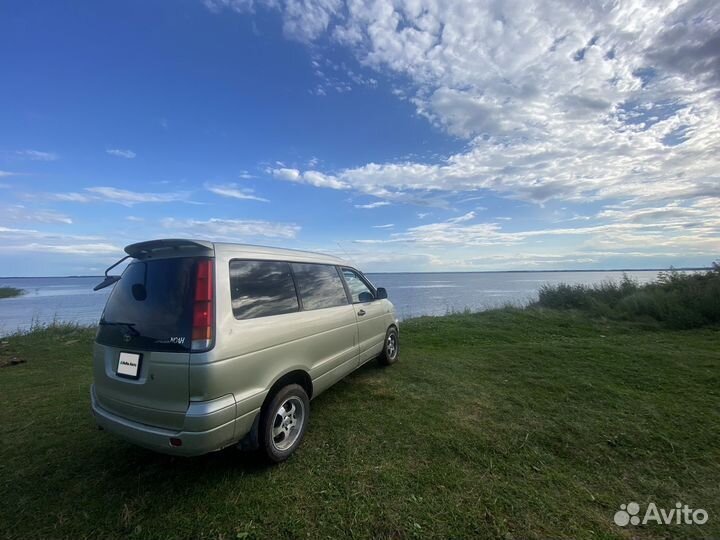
(130, 326)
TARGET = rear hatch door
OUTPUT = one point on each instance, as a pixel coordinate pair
(147, 324)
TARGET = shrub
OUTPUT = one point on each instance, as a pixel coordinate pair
(676, 299)
(10, 292)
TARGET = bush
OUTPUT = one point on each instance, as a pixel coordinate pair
(676, 300)
(564, 296)
(10, 292)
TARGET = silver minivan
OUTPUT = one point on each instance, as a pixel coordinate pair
(203, 345)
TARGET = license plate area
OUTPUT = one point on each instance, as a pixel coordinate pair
(129, 365)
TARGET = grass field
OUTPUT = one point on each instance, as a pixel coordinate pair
(507, 424)
(10, 292)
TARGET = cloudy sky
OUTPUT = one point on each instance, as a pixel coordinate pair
(407, 135)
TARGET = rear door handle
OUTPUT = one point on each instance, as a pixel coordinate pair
(361, 312)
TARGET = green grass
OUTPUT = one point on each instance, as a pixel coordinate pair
(506, 424)
(675, 300)
(10, 292)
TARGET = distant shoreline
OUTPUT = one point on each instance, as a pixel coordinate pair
(684, 269)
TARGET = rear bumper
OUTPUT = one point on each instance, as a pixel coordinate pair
(194, 443)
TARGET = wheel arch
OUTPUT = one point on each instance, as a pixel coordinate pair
(294, 376)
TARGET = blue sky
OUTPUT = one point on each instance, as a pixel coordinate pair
(406, 135)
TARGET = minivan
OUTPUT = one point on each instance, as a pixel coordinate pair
(203, 345)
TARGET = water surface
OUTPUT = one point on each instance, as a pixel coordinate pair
(72, 299)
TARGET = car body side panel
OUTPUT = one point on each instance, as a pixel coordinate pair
(251, 354)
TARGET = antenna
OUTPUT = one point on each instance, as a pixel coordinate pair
(347, 255)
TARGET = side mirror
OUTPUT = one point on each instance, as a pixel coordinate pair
(381, 293)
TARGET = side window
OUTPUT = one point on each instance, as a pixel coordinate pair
(358, 290)
(319, 286)
(261, 288)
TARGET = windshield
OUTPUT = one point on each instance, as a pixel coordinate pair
(151, 306)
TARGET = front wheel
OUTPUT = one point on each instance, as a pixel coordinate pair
(283, 423)
(391, 348)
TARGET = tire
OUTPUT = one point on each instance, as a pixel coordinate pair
(283, 422)
(391, 347)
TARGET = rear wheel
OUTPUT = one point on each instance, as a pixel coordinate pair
(283, 423)
(391, 348)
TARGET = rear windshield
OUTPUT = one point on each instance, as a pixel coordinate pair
(151, 306)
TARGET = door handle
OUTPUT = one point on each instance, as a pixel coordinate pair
(361, 312)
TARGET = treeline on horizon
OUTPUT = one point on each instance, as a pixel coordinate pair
(675, 300)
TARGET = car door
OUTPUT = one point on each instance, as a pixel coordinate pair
(287, 316)
(371, 314)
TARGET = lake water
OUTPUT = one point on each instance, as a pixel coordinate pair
(72, 299)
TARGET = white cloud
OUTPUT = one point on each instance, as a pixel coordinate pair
(377, 204)
(313, 178)
(613, 104)
(235, 192)
(303, 20)
(119, 152)
(72, 197)
(292, 175)
(336, 77)
(71, 249)
(4, 174)
(231, 229)
(18, 240)
(465, 217)
(387, 226)
(10, 230)
(575, 101)
(37, 155)
(120, 196)
(129, 198)
(135, 219)
(238, 5)
(19, 214)
(319, 179)
(689, 229)
(380, 262)
(14, 232)
(307, 20)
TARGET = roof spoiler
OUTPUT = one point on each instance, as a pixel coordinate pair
(152, 248)
(171, 247)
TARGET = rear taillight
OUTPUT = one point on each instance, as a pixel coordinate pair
(202, 328)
